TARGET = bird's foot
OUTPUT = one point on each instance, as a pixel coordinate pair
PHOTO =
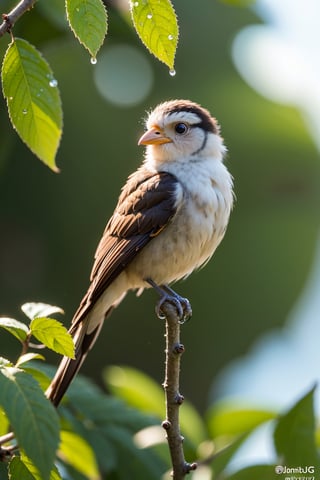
(181, 304)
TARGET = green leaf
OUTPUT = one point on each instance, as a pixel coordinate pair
(157, 26)
(37, 309)
(33, 418)
(109, 426)
(88, 21)
(294, 435)
(28, 357)
(54, 474)
(53, 335)
(75, 451)
(21, 468)
(4, 422)
(225, 418)
(38, 375)
(18, 329)
(19, 471)
(136, 388)
(141, 460)
(142, 392)
(4, 471)
(33, 100)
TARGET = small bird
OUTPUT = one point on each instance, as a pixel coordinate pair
(171, 215)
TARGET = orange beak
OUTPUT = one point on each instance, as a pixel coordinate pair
(154, 136)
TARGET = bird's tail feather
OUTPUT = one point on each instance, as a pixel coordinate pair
(69, 367)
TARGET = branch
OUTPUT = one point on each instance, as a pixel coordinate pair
(9, 19)
(6, 451)
(174, 399)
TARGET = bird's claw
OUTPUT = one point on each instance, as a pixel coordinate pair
(167, 295)
(181, 304)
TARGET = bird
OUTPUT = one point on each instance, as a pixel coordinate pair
(171, 215)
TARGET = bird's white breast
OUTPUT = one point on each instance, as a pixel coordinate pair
(204, 201)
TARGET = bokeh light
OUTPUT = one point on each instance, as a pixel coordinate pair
(123, 75)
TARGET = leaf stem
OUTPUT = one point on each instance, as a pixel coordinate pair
(9, 19)
(173, 397)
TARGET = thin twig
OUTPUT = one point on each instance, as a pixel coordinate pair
(6, 438)
(9, 19)
(174, 399)
(6, 452)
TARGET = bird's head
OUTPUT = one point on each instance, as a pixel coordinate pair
(178, 130)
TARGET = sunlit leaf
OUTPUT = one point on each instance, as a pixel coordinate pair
(18, 329)
(38, 309)
(38, 375)
(294, 434)
(21, 468)
(232, 420)
(27, 357)
(19, 471)
(33, 418)
(156, 24)
(75, 451)
(136, 388)
(4, 422)
(88, 21)
(33, 100)
(53, 335)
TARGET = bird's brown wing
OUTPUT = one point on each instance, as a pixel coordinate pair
(146, 205)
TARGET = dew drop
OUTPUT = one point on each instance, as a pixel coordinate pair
(10, 99)
(53, 83)
(172, 72)
(170, 37)
(24, 111)
(93, 60)
(136, 4)
(149, 16)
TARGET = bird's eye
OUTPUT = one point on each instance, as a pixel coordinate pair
(181, 128)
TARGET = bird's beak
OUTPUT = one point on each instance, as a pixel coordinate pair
(154, 136)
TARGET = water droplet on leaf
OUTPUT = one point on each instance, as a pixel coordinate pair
(170, 37)
(24, 111)
(172, 72)
(136, 4)
(53, 82)
(93, 60)
(149, 16)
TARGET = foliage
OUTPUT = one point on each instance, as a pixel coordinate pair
(32, 91)
(33, 99)
(101, 434)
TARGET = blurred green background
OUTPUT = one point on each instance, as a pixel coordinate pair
(50, 224)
